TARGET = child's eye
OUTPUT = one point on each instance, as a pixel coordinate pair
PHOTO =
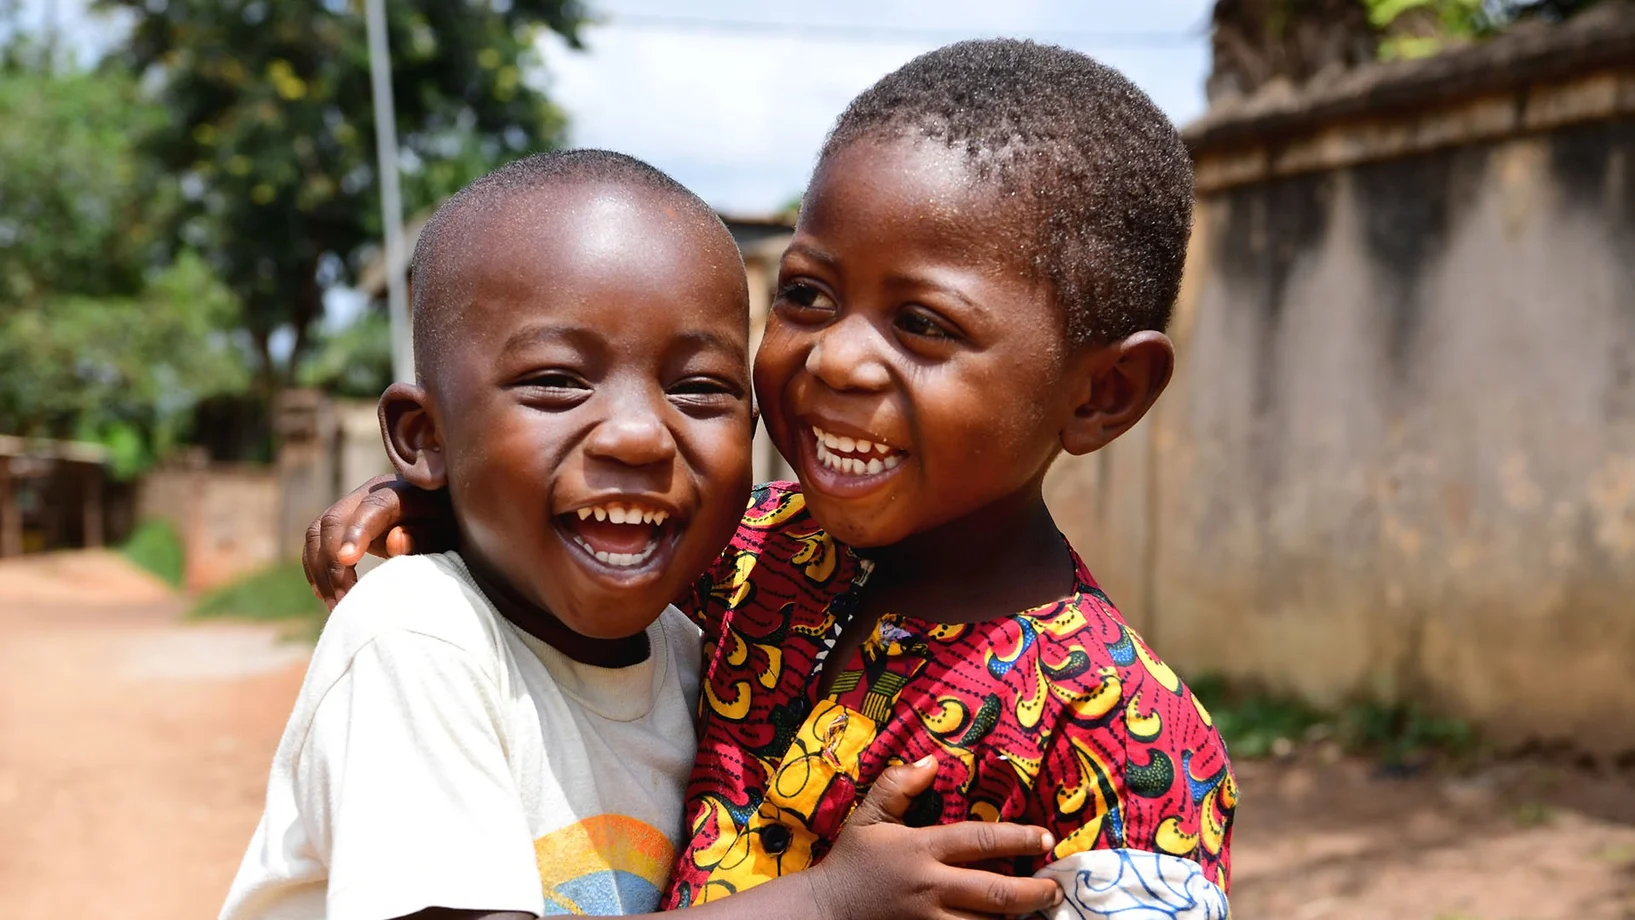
(556, 381)
(802, 297)
(555, 390)
(921, 325)
(701, 386)
(703, 393)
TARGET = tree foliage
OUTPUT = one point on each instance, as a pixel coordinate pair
(75, 217)
(1255, 42)
(354, 360)
(100, 338)
(121, 370)
(1417, 28)
(270, 130)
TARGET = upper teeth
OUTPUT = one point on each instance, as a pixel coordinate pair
(623, 514)
(849, 445)
(828, 445)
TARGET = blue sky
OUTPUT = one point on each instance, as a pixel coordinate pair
(736, 109)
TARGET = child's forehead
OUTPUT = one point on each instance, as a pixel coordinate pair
(903, 192)
(571, 210)
(593, 228)
(596, 246)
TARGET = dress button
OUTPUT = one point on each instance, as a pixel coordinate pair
(775, 838)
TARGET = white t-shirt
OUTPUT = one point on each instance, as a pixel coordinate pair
(439, 756)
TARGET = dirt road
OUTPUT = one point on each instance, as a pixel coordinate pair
(134, 752)
(133, 749)
(1516, 840)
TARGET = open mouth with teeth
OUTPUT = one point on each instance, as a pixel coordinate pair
(855, 456)
(621, 535)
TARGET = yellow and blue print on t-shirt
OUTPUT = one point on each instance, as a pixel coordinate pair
(604, 866)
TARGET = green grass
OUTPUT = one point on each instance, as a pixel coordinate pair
(1528, 815)
(1618, 854)
(1402, 733)
(278, 593)
(1255, 724)
(156, 547)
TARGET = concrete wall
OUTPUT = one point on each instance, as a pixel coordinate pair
(326, 447)
(235, 519)
(227, 517)
(1398, 458)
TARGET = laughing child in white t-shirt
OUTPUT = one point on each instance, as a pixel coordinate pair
(505, 731)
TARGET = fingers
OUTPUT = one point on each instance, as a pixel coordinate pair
(368, 521)
(333, 566)
(398, 543)
(888, 800)
(976, 841)
(988, 893)
(326, 559)
(311, 562)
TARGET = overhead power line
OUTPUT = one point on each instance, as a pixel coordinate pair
(861, 34)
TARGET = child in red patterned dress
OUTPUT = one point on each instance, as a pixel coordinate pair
(983, 266)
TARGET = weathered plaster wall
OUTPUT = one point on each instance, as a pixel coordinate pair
(1398, 457)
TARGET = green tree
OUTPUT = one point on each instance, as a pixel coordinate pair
(124, 371)
(76, 212)
(1417, 28)
(1254, 42)
(100, 338)
(271, 135)
(353, 360)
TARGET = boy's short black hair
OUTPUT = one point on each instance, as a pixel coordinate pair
(446, 237)
(1103, 180)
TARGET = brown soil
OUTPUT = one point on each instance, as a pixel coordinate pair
(134, 750)
(1338, 839)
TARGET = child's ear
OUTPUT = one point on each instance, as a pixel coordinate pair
(410, 432)
(1113, 387)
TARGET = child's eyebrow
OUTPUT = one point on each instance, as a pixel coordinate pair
(810, 252)
(690, 341)
(548, 332)
(924, 284)
(704, 340)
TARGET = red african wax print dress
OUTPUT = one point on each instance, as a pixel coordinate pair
(1058, 716)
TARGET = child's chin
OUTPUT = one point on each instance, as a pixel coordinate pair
(842, 519)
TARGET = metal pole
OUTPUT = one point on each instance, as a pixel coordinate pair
(391, 202)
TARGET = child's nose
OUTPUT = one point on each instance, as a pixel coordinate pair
(846, 356)
(632, 439)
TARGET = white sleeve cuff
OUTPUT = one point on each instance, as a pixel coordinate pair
(1133, 885)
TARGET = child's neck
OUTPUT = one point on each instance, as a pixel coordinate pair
(1005, 557)
(544, 626)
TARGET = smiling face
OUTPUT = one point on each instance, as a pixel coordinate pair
(913, 370)
(592, 407)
